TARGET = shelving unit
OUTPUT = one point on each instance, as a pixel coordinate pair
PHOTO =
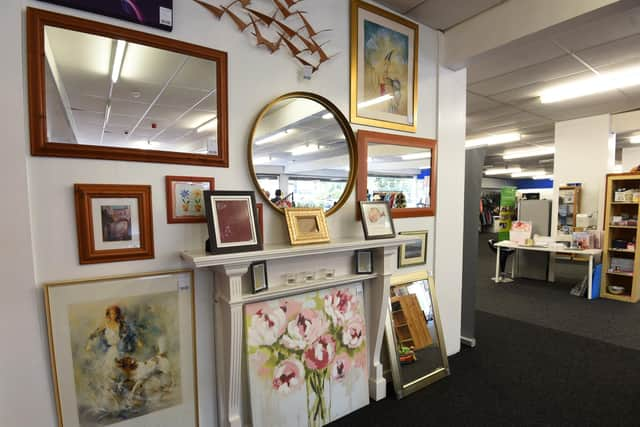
(568, 209)
(629, 233)
(409, 323)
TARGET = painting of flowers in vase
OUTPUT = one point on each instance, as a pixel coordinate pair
(307, 357)
(185, 202)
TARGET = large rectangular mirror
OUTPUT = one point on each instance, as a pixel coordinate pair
(398, 169)
(101, 91)
(414, 334)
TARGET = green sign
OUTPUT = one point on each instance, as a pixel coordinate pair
(507, 211)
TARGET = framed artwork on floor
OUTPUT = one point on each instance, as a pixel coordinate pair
(114, 222)
(376, 220)
(414, 252)
(232, 219)
(306, 225)
(185, 198)
(384, 68)
(312, 374)
(123, 350)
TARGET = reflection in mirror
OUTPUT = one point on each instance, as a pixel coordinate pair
(302, 154)
(414, 336)
(107, 92)
(400, 175)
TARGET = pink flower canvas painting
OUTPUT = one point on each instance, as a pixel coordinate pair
(307, 357)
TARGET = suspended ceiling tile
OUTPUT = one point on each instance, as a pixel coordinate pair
(444, 14)
(477, 103)
(401, 6)
(621, 51)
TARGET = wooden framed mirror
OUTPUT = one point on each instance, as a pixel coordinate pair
(398, 169)
(105, 92)
(302, 153)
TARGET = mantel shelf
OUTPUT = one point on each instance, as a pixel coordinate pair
(201, 259)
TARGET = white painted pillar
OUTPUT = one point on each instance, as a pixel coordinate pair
(583, 154)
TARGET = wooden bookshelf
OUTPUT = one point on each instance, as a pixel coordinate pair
(409, 322)
(626, 208)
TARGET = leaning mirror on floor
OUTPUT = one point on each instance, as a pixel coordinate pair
(414, 334)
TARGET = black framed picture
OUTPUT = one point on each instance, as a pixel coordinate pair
(259, 276)
(232, 219)
(364, 262)
(152, 13)
(376, 220)
(415, 251)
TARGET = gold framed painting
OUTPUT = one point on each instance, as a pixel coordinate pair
(384, 68)
(123, 350)
(306, 225)
(414, 252)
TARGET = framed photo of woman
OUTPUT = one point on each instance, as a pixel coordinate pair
(123, 350)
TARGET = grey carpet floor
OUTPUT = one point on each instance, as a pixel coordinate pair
(550, 305)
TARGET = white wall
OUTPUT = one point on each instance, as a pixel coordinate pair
(630, 158)
(582, 155)
(39, 243)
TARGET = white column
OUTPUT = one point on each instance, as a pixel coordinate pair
(229, 341)
(384, 265)
(582, 155)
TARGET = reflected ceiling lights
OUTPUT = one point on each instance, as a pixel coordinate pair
(504, 138)
(375, 101)
(529, 152)
(274, 137)
(592, 85)
(501, 171)
(543, 177)
(416, 156)
(208, 125)
(635, 139)
(327, 116)
(304, 149)
(117, 60)
(528, 173)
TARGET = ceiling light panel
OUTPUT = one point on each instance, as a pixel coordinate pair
(501, 171)
(504, 138)
(529, 152)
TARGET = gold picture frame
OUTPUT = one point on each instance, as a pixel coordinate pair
(131, 335)
(384, 68)
(306, 225)
(414, 252)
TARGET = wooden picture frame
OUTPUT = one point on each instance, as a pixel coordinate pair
(364, 261)
(185, 198)
(132, 337)
(384, 76)
(38, 19)
(260, 209)
(114, 222)
(407, 255)
(259, 279)
(232, 219)
(306, 225)
(377, 222)
(365, 137)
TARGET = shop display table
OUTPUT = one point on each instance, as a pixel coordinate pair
(591, 253)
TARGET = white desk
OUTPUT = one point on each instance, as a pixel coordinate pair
(591, 253)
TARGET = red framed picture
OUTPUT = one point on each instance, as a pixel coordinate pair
(232, 217)
(185, 198)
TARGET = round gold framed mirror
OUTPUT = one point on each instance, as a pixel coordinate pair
(302, 153)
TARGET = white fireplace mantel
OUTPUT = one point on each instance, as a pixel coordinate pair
(233, 291)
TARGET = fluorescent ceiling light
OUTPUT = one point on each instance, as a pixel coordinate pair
(261, 160)
(529, 152)
(304, 149)
(592, 85)
(501, 171)
(107, 114)
(275, 136)
(528, 173)
(208, 125)
(327, 116)
(504, 138)
(635, 139)
(416, 156)
(117, 60)
(375, 101)
(543, 177)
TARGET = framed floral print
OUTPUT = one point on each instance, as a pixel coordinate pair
(114, 222)
(307, 357)
(384, 68)
(123, 350)
(185, 198)
(232, 220)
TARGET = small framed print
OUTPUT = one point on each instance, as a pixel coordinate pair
(376, 220)
(306, 225)
(364, 262)
(123, 350)
(185, 198)
(414, 252)
(114, 222)
(259, 276)
(232, 219)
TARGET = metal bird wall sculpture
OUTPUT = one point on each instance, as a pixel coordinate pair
(279, 22)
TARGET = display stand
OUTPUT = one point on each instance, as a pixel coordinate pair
(568, 209)
(620, 261)
(233, 291)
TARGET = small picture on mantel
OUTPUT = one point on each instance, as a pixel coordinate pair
(364, 262)
(259, 276)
